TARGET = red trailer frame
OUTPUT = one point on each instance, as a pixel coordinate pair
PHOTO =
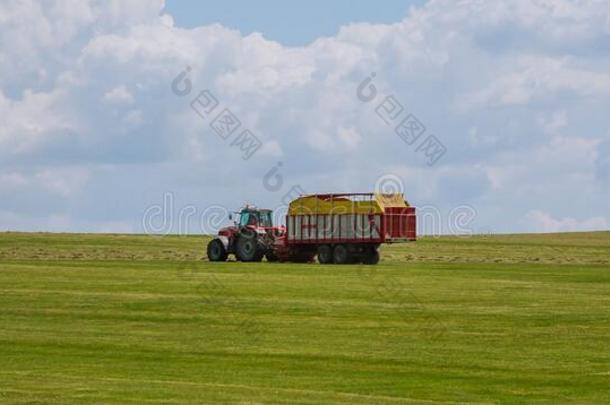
(394, 224)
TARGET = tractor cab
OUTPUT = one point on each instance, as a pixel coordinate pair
(253, 217)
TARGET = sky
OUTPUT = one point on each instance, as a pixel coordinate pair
(142, 116)
(290, 23)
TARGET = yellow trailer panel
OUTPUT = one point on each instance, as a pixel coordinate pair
(375, 203)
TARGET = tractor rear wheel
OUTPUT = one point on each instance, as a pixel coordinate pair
(325, 254)
(341, 255)
(249, 249)
(216, 251)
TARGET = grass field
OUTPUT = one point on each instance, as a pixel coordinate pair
(113, 318)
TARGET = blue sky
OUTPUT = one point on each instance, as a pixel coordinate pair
(490, 116)
(290, 23)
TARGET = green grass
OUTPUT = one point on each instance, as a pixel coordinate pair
(115, 318)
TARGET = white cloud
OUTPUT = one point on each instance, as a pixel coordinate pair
(552, 124)
(64, 181)
(541, 221)
(28, 121)
(13, 180)
(271, 148)
(349, 136)
(118, 95)
(536, 77)
(132, 119)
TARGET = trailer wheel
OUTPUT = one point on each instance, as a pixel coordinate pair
(372, 257)
(325, 254)
(341, 255)
(248, 249)
(216, 251)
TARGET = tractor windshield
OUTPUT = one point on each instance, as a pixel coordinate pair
(266, 219)
(256, 218)
(244, 218)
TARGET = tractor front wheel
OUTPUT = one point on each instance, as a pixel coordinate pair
(216, 251)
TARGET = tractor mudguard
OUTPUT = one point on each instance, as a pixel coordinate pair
(225, 241)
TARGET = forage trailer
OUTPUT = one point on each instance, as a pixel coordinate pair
(337, 228)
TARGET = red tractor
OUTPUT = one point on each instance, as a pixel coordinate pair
(250, 238)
